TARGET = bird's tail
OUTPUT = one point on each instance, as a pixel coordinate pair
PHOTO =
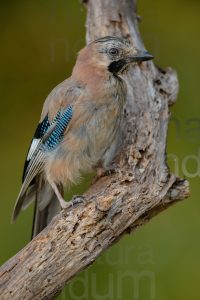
(46, 203)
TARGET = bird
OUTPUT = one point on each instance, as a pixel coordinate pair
(78, 127)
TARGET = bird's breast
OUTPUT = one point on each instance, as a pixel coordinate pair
(93, 128)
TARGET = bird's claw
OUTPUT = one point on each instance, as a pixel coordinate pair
(110, 171)
(77, 199)
(104, 172)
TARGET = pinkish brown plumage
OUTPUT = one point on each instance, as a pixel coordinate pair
(78, 126)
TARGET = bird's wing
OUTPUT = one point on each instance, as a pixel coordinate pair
(59, 97)
(46, 138)
(33, 165)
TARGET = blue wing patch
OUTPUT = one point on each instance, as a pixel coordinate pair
(61, 121)
(38, 135)
(57, 134)
(44, 126)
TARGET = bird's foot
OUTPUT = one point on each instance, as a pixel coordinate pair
(64, 204)
(77, 199)
(110, 171)
(101, 172)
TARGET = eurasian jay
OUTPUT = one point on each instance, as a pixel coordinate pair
(78, 126)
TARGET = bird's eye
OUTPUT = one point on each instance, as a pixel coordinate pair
(113, 51)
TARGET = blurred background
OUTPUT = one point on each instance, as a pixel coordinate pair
(39, 42)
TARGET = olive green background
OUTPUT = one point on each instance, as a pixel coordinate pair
(39, 42)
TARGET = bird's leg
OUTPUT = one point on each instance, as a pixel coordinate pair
(63, 203)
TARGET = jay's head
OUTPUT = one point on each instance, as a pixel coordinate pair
(112, 54)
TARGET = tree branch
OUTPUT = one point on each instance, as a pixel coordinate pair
(140, 187)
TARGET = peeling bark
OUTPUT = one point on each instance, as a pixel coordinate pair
(140, 187)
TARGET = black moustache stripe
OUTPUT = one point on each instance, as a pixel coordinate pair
(116, 66)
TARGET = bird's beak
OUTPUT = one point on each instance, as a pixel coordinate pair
(139, 57)
(121, 64)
